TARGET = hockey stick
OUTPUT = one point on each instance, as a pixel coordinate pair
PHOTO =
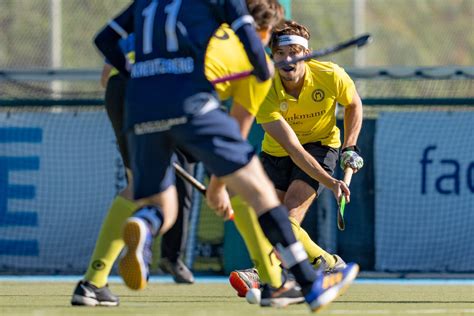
(231, 77)
(357, 42)
(342, 203)
(194, 182)
(189, 178)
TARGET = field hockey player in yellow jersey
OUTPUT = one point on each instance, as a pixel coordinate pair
(225, 56)
(301, 137)
(301, 141)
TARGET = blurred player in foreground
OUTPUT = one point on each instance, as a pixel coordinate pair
(225, 55)
(93, 289)
(172, 36)
(174, 241)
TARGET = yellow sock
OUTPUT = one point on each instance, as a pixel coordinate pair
(260, 249)
(313, 250)
(109, 243)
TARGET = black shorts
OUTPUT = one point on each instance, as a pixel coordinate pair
(282, 170)
(114, 105)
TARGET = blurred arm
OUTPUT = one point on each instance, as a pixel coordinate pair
(243, 117)
(107, 40)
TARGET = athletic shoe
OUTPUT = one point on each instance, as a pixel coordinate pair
(321, 264)
(135, 262)
(340, 265)
(243, 280)
(328, 287)
(86, 294)
(288, 293)
(178, 270)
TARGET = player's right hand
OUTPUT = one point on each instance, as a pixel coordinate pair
(218, 199)
(340, 188)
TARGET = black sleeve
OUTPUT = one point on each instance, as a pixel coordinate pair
(238, 17)
(107, 40)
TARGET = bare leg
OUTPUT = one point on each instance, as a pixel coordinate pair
(254, 186)
(128, 191)
(168, 203)
(299, 198)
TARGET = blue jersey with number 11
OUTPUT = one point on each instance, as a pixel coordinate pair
(171, 38)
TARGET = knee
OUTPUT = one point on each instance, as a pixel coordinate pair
(297, 214)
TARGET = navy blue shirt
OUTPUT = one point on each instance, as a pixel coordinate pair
(171, 38)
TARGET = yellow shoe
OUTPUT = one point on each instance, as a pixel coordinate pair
(134, 265)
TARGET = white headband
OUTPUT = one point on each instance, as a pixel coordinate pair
(286, 40)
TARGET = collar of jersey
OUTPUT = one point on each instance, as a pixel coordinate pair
(281, 93)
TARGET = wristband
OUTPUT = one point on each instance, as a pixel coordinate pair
(351, 148)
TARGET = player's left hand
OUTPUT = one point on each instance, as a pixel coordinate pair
(352, 159)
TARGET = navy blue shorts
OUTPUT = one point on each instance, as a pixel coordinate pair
(282, 170)
(213, 138)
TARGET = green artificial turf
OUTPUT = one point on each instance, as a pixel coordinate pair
(45, 298)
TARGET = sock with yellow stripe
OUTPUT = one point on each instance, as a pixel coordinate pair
(260, 250)
(110, 242)
(312, 249)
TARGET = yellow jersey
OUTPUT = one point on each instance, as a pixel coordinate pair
(313, 115)
(225, 56)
